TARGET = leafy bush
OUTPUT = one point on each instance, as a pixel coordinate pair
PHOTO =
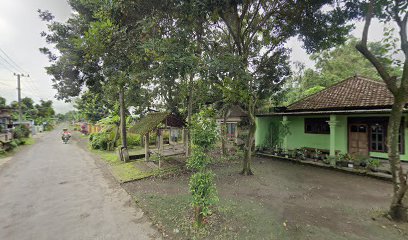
(204, 129)
(14, 143)
(199, 160)
(204, 135)
(204, 193)
(152, 139)
(374, 163)
(133, 139)
(21, 132)
(100, 140)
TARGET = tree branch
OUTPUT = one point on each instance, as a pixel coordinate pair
(363, 49)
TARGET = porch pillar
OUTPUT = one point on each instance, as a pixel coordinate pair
(147, 147)
(285, 122)
(332, 124)
(161, 135)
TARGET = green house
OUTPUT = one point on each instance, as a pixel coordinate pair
(348, 117)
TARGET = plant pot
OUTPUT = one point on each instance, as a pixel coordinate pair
(373, 169)
(342, 164)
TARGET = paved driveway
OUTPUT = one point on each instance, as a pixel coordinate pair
(55, 191)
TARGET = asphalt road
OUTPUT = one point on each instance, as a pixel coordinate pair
(52, 190)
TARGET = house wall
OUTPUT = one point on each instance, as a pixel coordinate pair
(264, 126)
(297, 138)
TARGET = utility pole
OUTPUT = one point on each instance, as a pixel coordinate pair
(20, 113)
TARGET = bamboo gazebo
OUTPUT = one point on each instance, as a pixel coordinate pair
(158, 122)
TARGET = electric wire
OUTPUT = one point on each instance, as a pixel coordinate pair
(14, 64)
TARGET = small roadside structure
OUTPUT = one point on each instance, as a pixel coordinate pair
(348, 118)
(161, 124)
(234, 119)
(6, 125)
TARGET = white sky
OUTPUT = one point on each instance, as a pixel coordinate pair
(20, 38)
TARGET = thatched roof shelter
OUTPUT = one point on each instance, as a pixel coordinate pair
(157, 120)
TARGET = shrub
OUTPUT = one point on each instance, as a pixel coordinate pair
(374, 163)
(21, 132)
(100, 141)
(204, 193)
(204, 135)
(14, 143)
(133, 140)
(199, 160)
(152, 139)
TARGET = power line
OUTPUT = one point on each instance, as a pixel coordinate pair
(14, 64)
(6, 67)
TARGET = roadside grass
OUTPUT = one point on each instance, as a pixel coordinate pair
(28, 141)
(173, 215)
(9, 153)
(130, 171)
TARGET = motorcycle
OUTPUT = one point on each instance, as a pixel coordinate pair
(65, 138)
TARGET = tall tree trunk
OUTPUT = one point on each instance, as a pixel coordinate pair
(189, 114)
(115, 139)
(398, 210)
(224, 133)
(246, 169)
(122, 117)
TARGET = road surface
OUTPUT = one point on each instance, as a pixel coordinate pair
(55, 191)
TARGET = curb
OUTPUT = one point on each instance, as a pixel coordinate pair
(365, 173)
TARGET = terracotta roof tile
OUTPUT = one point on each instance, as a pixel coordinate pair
(353, 93)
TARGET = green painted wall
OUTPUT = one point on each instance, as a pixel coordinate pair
(297, 138)
(264, 126)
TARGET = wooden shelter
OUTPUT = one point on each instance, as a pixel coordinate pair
(157, 121)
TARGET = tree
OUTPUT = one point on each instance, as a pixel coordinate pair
(176, 49)
(93, 107)
(204, 136)
(334, 65)
(97, 48)
(2, 102)
(391, 11)
(253, 33)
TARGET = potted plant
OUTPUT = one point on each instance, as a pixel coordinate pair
(373, 164)
(344, 160)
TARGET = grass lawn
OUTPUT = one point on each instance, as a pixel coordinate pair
(134, 170)
(281, 201)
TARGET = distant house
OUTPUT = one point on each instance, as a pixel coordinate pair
(6, 126)
(234, 120)
(348, 117)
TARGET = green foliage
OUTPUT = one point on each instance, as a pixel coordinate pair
(374, 163)
(199, 160)
(335, 65)
(204, 135)
(21, 132)
(14, 143)
(204, 129)
(100, 140)
(203, 190)
(133, 140)
(2, 102)
(92, 106)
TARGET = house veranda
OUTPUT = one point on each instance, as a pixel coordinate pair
(350, 117)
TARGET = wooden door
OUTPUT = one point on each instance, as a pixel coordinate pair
(358, 139)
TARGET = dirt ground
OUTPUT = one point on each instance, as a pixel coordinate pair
(282, 200)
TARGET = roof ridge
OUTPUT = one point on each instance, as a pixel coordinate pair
(324, 90)
(369, 79)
